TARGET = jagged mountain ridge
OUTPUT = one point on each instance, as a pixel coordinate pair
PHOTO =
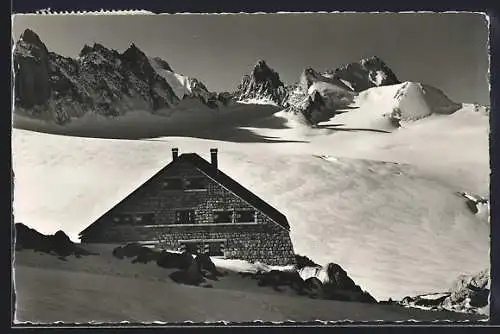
(99, 80)
(106, 82)
(366, 73)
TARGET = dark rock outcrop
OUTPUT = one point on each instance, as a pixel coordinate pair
(263, 83)
(314, 286)
(190, 276)
(303, 261)
(317, 97)
(57, 244)
(341, 287)
(338, 286)
(174, 260)
(469, 294)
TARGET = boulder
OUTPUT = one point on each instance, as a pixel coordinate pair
(190, 276)
(314, 287)
(339, 286)
(175, 260)
(206, 266)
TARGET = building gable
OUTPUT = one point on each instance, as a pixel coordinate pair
(191, 190)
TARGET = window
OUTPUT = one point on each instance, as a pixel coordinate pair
(216, 248)
(172, 184)
(134, 219)
(208, 247)
(198, 183)
(144, 219)
(191, 247)
(121, 218)
(223, 216)
(184, 217)
(245, 216)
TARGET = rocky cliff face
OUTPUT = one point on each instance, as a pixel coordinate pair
(262, 84)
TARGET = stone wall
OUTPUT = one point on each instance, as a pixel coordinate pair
(260, 240)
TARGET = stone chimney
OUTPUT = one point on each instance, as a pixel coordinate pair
(175, 154)
(213, 156)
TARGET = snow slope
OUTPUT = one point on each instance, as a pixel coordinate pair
(397, 229)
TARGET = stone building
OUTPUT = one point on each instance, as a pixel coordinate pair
(191, 205)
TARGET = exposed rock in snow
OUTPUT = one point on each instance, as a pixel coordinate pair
(478, 205)
(469, 294)
(367, 73)
(335, 283)
(262, 84)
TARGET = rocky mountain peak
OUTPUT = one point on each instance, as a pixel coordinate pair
(262, 72)
(367, 73)
(96, 47)
(263, 83)
(133, 53)
(31, 70)
(30, 37)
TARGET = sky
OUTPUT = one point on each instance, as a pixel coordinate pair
(448, 51)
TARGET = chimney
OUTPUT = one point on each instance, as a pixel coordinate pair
(213, 155)
(175, 154)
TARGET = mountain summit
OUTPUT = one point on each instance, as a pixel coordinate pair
(366, 73)
(262, 84)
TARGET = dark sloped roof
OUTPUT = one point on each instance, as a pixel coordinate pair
(224, 180)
